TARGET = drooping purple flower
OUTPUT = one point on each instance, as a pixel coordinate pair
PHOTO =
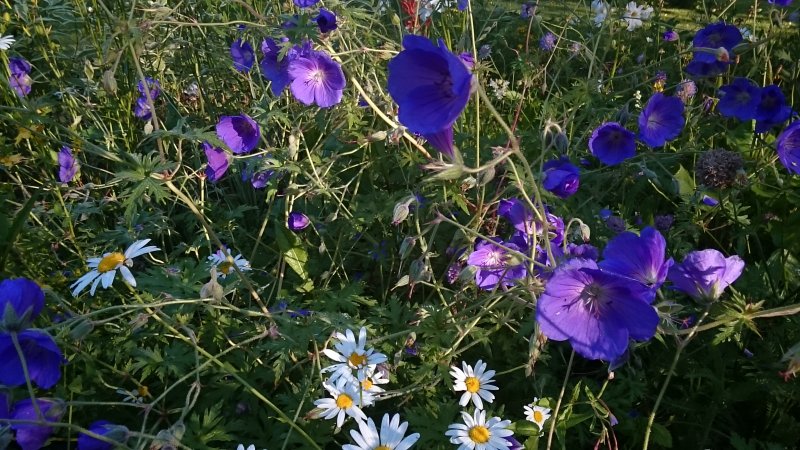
(217, 162)
(788, 147)
(273, 69)
(117, 433)
(20, 79)
(316, 79)
(441, 140)
(704, 274)
(42, 356)
(21, 298)
(661, 120)
(297, 221)
(430, 84)
(670, 36)
(641, 258)
(141, 109)
(773, 110)
(596, 311)
(326, 20)
(548, 42)
(739, 99)
(612, 143)
(495, 264)
(32, 436)
(305, 3)
(243, 55)
(240, 133)
(709, 39)
(561, 177)
(68, 165)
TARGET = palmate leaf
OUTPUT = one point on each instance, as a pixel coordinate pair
(142, 181)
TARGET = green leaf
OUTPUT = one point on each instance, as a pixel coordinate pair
(294, 254)
(662, 436)
(684, 183)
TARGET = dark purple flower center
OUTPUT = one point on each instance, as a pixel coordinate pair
(592, 298)
(243, 127)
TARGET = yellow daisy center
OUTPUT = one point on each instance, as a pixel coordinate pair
(225, 267)
(367, 385)
(344, 401)
(473, 384)
(479, 434)
(110, 262)
(382, 447)
(357, 360)
(538, 416)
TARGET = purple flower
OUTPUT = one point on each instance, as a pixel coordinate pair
(548, 42)
(20, 79)
(661, 120)
(517, 212)
(638, 257)
(670, 36)
(467, 59)
(528, 10)
(714, 36)
(596, 311)
(739, 99)
(663, 222)
(32, 436)
(326, 21)
(686, 90)
(42, 356)
(297, 221)
(772, 110)
(561, 177)
(276, 71)
(462, 4)
(141, 109)
(495, 264)
(788, 146)
(5, 404)
(430, 84)
(217, 162)
(441, 140)
(243, 55)
(117, 433)
(616, 224)
(513, 443)
(316, 79)
(783, 3)
(611, 143)
(68, 165)
(154, 85)
(305, 3)
(709, 201)
(21, 302)
(704, 274)
(240, 133)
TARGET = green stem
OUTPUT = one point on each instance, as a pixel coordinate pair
(558, 404)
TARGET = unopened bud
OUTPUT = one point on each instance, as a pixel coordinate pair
(406, 246)
(81, 330)
(722, 54)
(109, 82)
(213, 289)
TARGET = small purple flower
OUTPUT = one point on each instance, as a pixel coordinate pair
(513, 443)
(42, 356)
(661, 120)
(154, 85)
(305, 3)
(495, 264)
(612, 143)
(528, 10)
(23, 299)
(605, 213)
(521, 217)
(217, 162)
(243, 55)
(713, 37)
(316, 79)
(297, 221)
(141, 109)
(709, 201)
(782, 3)
(548, 42)
(686, 90)
(670, 36)
(788, 147)
(117, 433)
(31, 436)
(704, 274)
(453, 272)
(641, 258)
(596, 311)
(68, 165)
(273, 69)
(663, 222)
(326, 20)
(240, 133)
(616, 224)
(739, 99)
(20, 79)
(561, 177)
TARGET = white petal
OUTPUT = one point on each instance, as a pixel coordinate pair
(128, 277)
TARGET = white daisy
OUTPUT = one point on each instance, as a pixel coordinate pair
(345, 400)
(478, 433)
(352, 355)
(476, 383)
(600, 10)
(105, 269)
(390, 437)
(371, 382)
(225, 266)
(6, 42)
(634, 14)
(249, 447)
(537, 414)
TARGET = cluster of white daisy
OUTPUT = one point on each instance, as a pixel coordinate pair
(476, 432)
(634, 14)
(354, 383)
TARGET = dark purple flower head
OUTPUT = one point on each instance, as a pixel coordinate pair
(663, 222)
(243, 55)
(661, 120)
(713, 37)
(297, 221)
(561, 177)
(316, 79)
(274, 69)
(154, 85)
(117, 433)
(686, 90)
(597, 312)
(430, 84)
(326, 20)
(496, 266)
(704, 274)
(670, 36)
(31, 436)
(641, 258)
(21, 302)
(788, 146)
(20, 79)
(739, 99)
(42, 356)
(528, 10)
(548, 42)
(240, 133)
(305, 3)
(611, 143)
(68, 165)
(217, 162)
(141, 109)
(773, 110)
(616, 224)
